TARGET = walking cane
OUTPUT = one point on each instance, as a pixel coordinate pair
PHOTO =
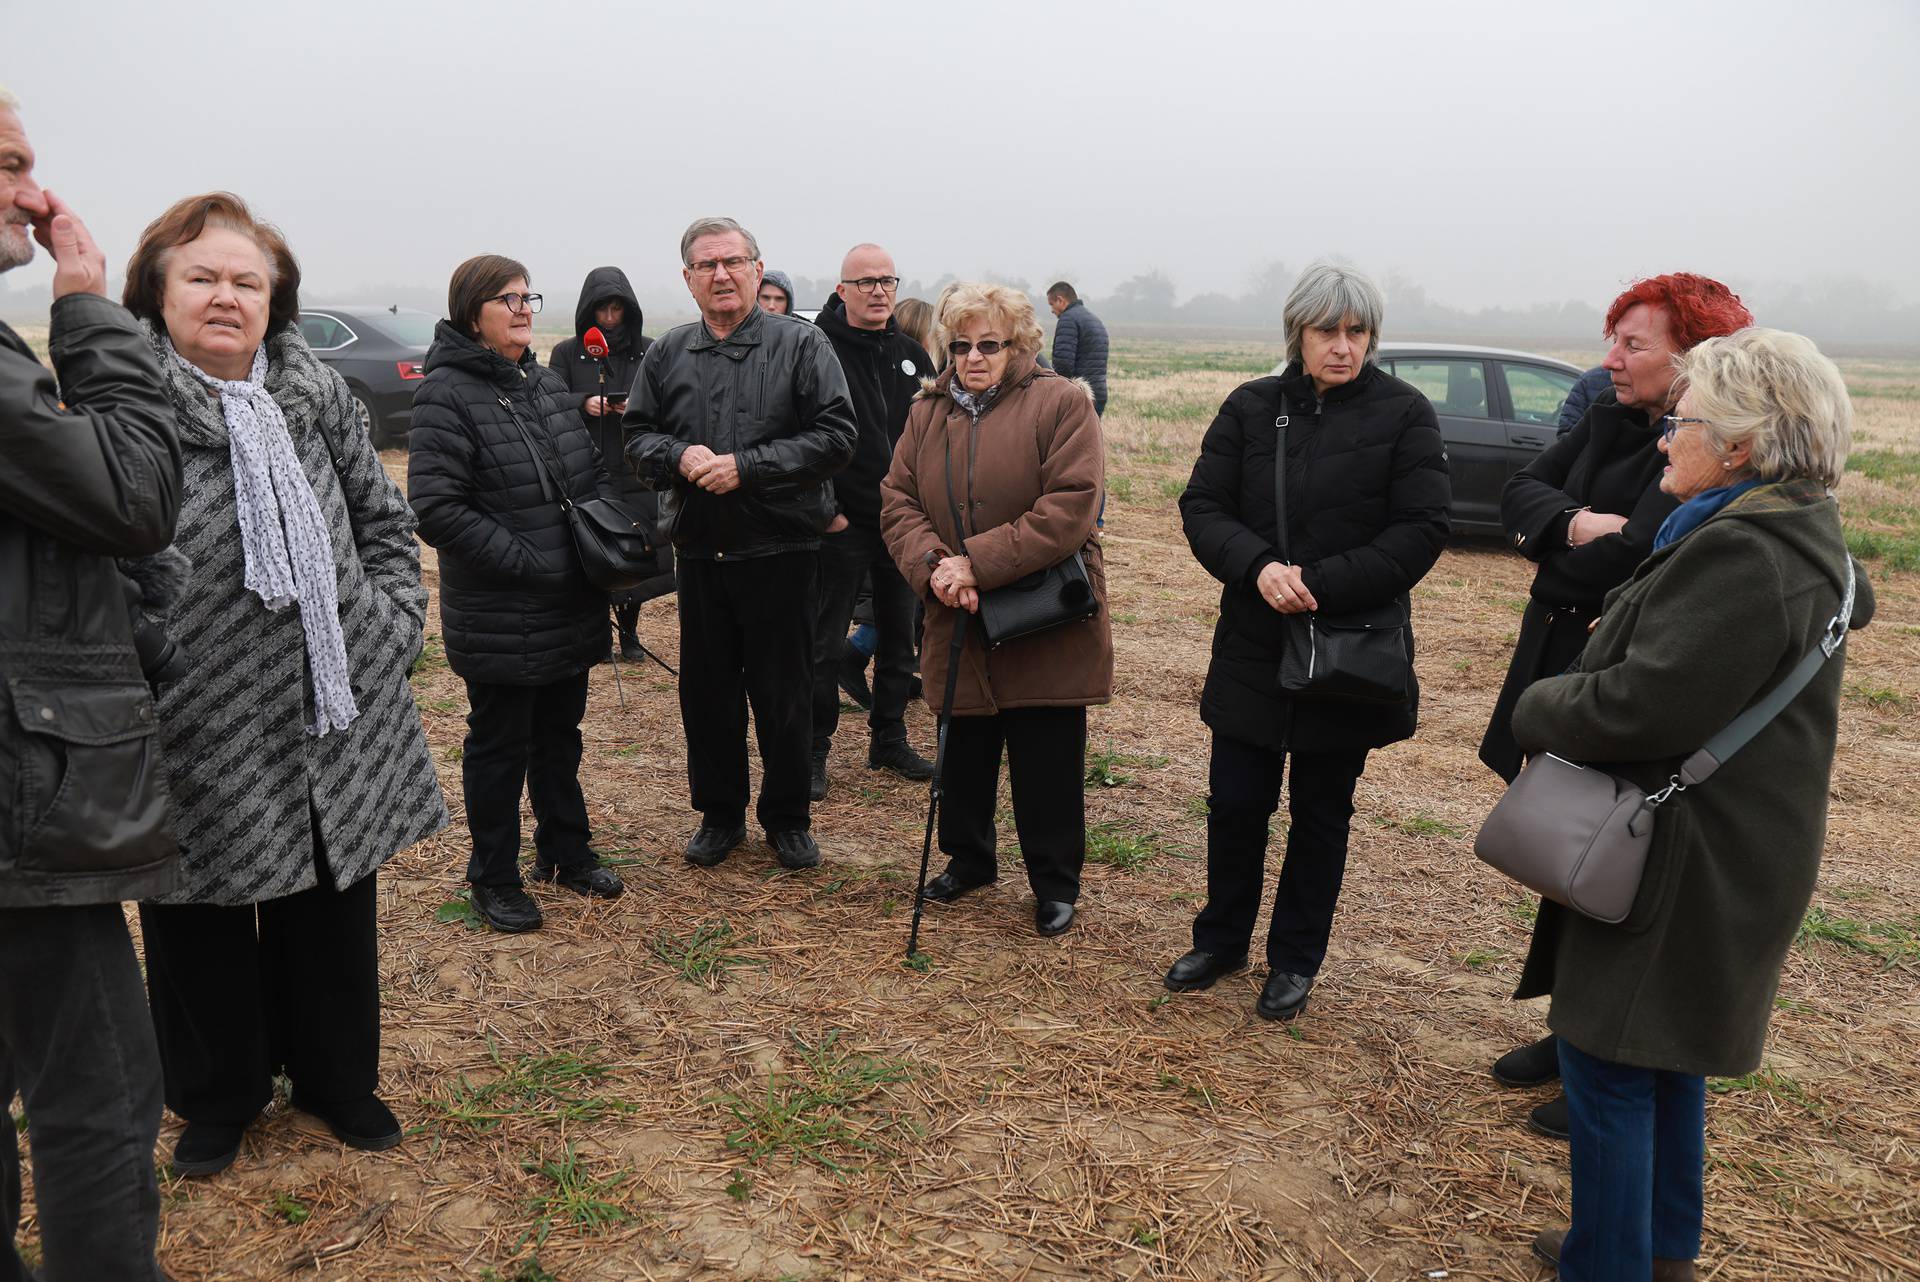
(939, 772)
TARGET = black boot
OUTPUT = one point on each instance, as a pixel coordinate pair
(627, 617)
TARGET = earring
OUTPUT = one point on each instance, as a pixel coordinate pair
(1726, 465)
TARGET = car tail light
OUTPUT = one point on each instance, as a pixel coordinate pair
(410, 370)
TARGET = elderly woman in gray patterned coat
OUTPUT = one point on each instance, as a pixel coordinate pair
(294, 753)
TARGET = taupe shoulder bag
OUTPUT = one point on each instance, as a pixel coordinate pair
(1579, 835)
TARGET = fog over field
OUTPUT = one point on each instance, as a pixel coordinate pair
(1177, 162)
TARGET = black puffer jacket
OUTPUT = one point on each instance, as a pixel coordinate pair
(1367, 508)
(771, 394)
(1608, 462)
(515, 606)
(883, 368)
(89, 471)
(621, 365)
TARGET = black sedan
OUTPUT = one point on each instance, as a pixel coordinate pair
(380, 351)
(1497, 411)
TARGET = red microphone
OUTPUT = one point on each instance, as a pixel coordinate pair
(595, 342)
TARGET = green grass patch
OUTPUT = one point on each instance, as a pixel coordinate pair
(1105, 767)
(432, 657)
(1195, 1091)
(1478, 957)
(1121, 487)
(1524, 910)
(1880, 698)
(459, 910)
(561, 1087)
(577, 1196)
(1422, 824)
(1765, 1081)
(1172, 487)
(1116, 847)
(1885, 465)
(705, 954)
(1891, 941)
(1891, 551)
(811, 1114)
(289, 1208)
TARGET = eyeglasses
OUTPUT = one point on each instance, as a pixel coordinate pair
(874, 284)
(707, 266)
(1671, 424)
(986, 347)
(517, 303)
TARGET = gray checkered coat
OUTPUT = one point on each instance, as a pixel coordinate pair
(246, 778)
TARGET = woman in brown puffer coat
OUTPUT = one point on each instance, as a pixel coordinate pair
(1014, 452)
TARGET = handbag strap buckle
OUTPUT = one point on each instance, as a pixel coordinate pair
(1673, 785)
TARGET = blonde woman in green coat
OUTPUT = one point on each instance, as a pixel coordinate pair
(1744, 578)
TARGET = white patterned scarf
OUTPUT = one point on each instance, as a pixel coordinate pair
(289, 552)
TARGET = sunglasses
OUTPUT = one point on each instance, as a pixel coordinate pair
(986, 347)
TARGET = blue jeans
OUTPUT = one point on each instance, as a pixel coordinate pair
(1639, 1138)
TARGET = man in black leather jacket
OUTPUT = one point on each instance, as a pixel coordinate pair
(89, 471)
(740, 420)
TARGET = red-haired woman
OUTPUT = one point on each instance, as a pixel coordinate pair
(1586, 511)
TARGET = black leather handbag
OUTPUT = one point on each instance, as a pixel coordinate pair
(609, 535)
(1060, 593)
(1363, 656)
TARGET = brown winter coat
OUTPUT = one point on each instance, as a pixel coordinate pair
(1036, 484)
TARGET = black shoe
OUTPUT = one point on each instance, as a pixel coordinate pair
(1052, 916)
(630, 649)
(1284, 995)
(1534, 1064)
(591, 880)
(946, 888)
(1547, 1244)
(1550, 1119)
(898, 756)
(853, 677)
(506, 908)
(206, 1148)
(1197, 970)
(817, 777)
(363, 1123)
(795, 848)
(713, 843)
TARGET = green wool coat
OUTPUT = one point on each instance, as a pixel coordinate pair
(1704, 627)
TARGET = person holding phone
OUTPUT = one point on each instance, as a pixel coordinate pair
(600, 384)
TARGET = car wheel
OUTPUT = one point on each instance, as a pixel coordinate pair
(364, 412)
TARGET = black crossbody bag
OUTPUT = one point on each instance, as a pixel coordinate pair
(1363, 656)
(609, 536)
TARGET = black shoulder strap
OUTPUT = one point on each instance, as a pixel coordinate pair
(1280, 477)
(547, 481)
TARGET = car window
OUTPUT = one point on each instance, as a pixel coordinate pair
(322, 331)
(1454, 387)
(407, 328)
(1536, 392)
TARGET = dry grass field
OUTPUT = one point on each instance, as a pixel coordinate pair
(730, 1074)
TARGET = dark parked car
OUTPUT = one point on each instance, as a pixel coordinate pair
(379, 351)
(1497, 410)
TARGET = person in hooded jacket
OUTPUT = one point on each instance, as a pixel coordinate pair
(776, 293)
(492, 432)
(883, 368)
(1367, 515)
(600, 385)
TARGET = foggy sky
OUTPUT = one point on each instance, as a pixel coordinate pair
(1496, 153)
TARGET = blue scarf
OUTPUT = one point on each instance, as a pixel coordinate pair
(1692, 514)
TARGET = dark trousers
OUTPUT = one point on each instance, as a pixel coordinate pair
(845, 559)
(746, 637)
(240, 992)
(524, 736)
(1639, 1141)
(1243, 784)
(1047, 766)
(77, 1044)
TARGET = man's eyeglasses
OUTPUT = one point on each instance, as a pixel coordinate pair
(874, 284)
(986, 347)
(1671, 424)
(518, 303)
(708, 266)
